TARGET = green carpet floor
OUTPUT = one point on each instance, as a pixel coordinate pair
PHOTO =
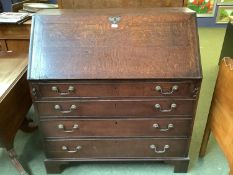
(29, 149)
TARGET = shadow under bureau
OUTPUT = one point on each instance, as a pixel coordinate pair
(115, 85)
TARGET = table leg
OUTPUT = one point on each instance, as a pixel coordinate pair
(205, 138)
(15, 162)
(28, 125)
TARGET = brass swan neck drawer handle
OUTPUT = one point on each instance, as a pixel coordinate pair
(62, 127)
(173, 89)
(169, 126)
(158, 107)
(70, 90)
(58, 108)
(34, 92)
(65, 148)
(154, 148)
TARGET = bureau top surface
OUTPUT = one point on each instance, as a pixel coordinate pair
(145, 43)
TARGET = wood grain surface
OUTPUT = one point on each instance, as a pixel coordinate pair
(116, 127)
(105, 89)
(15, 31)
(148, 43)
(11, 69)
(15, 99)
(81, 4)
(115, 108)
(116, 148)
(15, 37)
(221, 110)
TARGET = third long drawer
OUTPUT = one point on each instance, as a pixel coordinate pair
(146, 127)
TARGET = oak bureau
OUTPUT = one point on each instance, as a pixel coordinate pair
(115, 85)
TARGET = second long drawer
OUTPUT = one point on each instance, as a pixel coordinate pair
(126, 107)
(116, 127)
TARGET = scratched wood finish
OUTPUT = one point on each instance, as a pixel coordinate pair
(86, 4)
(116, 127)
(220, 119)
(117, 148)
(137, 49)
(105, 80)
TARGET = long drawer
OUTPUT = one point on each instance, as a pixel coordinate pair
(117, 148)
(103, 90)
(137, 108)
(116, 128)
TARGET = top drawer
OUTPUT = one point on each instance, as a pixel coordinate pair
(115, 89)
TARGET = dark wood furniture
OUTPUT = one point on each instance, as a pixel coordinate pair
(220, 119)
(86, 4)
(115, 85)
(15, 37)
(15, 101)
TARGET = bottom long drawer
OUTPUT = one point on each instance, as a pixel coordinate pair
(116, 148)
